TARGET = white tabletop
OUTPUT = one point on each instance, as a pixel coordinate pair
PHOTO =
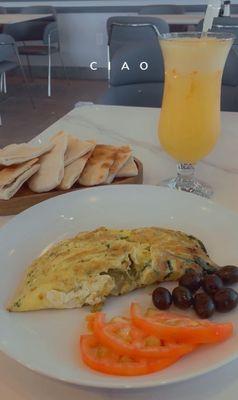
(137, 126)
(6, 19)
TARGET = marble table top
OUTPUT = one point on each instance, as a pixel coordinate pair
(137, 126)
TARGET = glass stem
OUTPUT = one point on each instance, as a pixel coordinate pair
(185, 171)
(185, 175)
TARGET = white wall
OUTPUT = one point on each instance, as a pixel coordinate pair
(84, 38)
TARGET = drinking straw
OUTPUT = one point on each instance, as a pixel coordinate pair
(212, 12)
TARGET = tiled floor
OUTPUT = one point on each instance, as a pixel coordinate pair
(20, 122)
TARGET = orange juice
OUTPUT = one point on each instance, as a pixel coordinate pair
(189, 123)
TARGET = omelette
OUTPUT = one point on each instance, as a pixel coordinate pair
(86, 269)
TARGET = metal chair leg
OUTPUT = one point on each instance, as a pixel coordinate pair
(28, 65)
(4, 83)
(29, 68)
(24, 77)
(49, 73)
(65, 71)
(1, 82)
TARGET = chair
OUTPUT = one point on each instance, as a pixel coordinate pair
(41, 10)
(162, 9)
(134, 40)
(229, 92)
(51, 44)
(223, 24)
(9, 60)
(31, 30)
(38, 26)
(38, 30)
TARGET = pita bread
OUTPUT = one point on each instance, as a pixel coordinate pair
(19, 153)
(122, 156)
(73, 171)
(8, 191)
(128, 170)
(97, 168)
(9, 174)
(51, 170)
(76, 148)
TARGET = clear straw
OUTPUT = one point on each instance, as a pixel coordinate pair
(212, 12)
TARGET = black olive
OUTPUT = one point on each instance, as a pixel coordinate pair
(203, 305)
(225, 299)
(211, 283)
(161, 298)
(191, 280)
(228, 274)
(182, 297)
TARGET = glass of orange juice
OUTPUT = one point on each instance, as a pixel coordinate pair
(189, 123)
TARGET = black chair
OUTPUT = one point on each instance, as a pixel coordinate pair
(229, 92)
(223, 24)
(50, 45)
(134, 41)
(41, 10)
(31, 30)
(44, 30)
(10, 60)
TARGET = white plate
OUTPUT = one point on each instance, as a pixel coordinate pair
(46, 341)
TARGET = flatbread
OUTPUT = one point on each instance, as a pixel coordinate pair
(19, 153)
(76, 148)
(122, 156)
(8, 191)
(128, 170)
(51, 170)
(9, 174)
(73, 171)
(97, 168)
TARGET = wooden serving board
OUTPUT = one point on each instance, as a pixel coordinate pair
(25, 198)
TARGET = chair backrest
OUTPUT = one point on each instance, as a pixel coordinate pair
(122, 30)
(51, 32)
(39, 10)
(24, 31)
(162, 9)
(3, 10)
(6, 47)
(31, 30)
(227, 24)
(223, 24)
(135, 40)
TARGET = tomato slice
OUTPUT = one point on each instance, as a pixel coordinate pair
(125, 339)
(178, 328)
(103, 359)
